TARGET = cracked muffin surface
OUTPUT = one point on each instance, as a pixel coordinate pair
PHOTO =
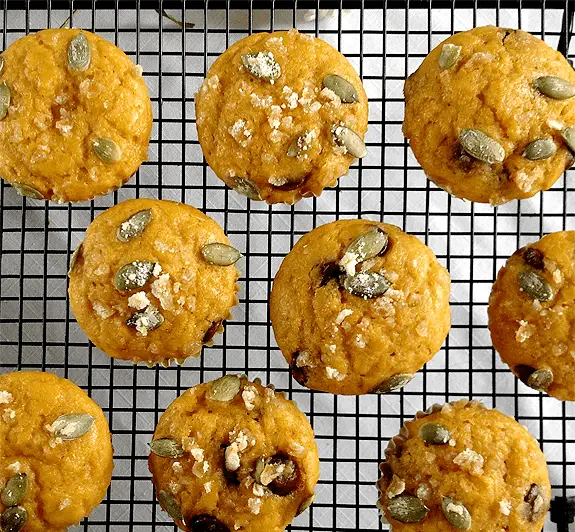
(266, 121)
(233, 455)
(532, 314)
(57, 113)
(57, 469)
(487, 80)
(142, 286)
(359, 306)
(461, 466)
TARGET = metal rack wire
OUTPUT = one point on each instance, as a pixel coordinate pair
(386, 41)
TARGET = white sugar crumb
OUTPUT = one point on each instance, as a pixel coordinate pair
(470, 461)
(249, 395)
(145, 320)
(333, 373)
(330, 96)
(162, 289)
(525, 181)
(452, 443)
(277, 181)
(303, 359)
(315, 107)
(287, 122)
(423, 492)
(139, 300)
(200, 468)
(557, 277)
(8, 415)
(14, 467)
(296, 448)
(396, 487)
(102, 311)
(505, 507)
(177, 467)
(232, 454)
(271, 472)
(537, 305)
(263, 65)
(5, 397)
(240, 133)
(274, 118)
(332, 348)
(258, 490)
(524, 331)
(455, 508)
(208, 487)
(174, 487)
(348, 262)
(213, 81)
(555, 124)
(255, 505)
(261, 102)
(343, 314)
(64, 128)
(64, 503)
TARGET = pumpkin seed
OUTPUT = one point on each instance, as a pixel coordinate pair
(449, 56)
(169, 503)
(74, 258)
(554, 87)
(27, 191)
(371, 244)
(79, 54)
(407, 509)
(220, 254)
(350, 140)
(568, 135)
(133, 275)
(535, 502)
(395, 382)
(305, 505)
(134, 226)
(540, 379)
(4, 99)
(434, 433)
(341, 87)
(247, 188)
(260, 465)
(535, 286)
(262, 65)
(107, 150)
(225, 388)
(366, 284)
(1, 64)
(534, 258)
(147, 320)
(15, 490)
(540, 149)
(166, 448)
(72, 426)
(456, 513)
(302, 144)
(481, 146)
(13, 519)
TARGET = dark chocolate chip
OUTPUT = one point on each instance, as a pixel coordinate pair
(534, 258)
(211, 332)
(288, 479)
(206, 523)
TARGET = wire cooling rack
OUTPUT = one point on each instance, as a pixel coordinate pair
(385, 44)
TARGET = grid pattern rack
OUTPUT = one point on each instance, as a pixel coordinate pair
(385, 41)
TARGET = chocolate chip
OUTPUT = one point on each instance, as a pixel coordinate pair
(211, 332)
(298, 373)
(329, 272)
(288, 479)
(533, 257)
(206, 523)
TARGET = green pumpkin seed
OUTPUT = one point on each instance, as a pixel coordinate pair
(407, 509)
(133, 275)
(220, 254)
(15, 490)
(395, 382)
(79, 54)
(13, 519)
(247, 188)
(481, 146)
(74, 258)
(27, 191)
(341, 87)
(166, 448)
(301, 144)
(554, 87)
(262, 65)
(568, 135)
(225, 388)
(149, 319)
(434, 433)
(366, 284)
(260, 465)
(134, 226)
(72, 426)
(4, 99)
(169, 503)
(535, 286)
(350, 140)
(540, 379)
(371, 244)
(456, 513)
(1, 64)
(449, 56)
(540, 149)
(107, 150)
(305, 505)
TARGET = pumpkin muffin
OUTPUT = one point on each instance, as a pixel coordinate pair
(56, 453)
(359, 306)
(490, 115)
(75, 116)
(281, 116)
(153, 281)
(233, 455)
(532, 311)
(461, 466)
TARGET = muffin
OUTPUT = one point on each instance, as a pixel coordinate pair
(281, 116)
(461, 466)
(153, 281)
(233, 455)
(359, 306)
(75, 116)
(531, 314)
(56, 454)
(490, 115)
